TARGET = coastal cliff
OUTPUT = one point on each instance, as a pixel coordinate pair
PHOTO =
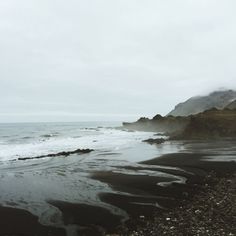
(200, 117)
(212, 123)
(167, 125)
(195, 105)
(232, 105)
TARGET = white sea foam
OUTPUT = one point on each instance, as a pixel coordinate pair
(100, 139)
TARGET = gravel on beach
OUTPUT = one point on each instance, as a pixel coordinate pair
(211, 212)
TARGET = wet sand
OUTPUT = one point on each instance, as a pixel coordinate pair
(211, 211)
(194, 162)
(16, 222)
(91, 220)
(147, 192)
(149, 204)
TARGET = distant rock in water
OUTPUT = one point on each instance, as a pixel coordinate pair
(154, 140)
(195, 105)
(65, 153)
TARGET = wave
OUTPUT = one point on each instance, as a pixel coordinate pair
(105, 139)
(50, 135)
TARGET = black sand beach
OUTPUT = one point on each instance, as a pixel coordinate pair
(15, 222)
(185, 193)
(210, 211)
(204, 205)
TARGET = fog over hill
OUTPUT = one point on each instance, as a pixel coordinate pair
(202, 117)
(194, 105)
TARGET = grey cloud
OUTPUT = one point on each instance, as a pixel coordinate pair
(105, 59)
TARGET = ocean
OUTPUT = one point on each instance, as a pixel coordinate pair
(119, 167)
(35, 139)
(31, 184)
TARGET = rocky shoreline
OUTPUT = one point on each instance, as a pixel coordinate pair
(211, 211)
(189, 192)
(208, 125)
(64, 153)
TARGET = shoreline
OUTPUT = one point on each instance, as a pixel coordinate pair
(149, 192)
(211, 211)
(211, 191)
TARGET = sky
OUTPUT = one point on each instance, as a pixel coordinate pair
(76, 60)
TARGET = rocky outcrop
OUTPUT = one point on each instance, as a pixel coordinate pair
(195, 105)
(167, 125)
(209, 124)
(232, 105)
(65, 153)
(154, 140)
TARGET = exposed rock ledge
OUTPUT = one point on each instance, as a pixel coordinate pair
(209, 124)
(77, 151)
(154, 140)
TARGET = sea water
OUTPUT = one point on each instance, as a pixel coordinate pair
(35, 139)
(33, 183)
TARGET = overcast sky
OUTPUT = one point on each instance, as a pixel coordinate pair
(69, 60)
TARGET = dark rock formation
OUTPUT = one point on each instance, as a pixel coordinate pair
(210, 212)
(194, 105)
(154, 140)
(212, 123)
(77, 151)
(232, 105)
(167, 124)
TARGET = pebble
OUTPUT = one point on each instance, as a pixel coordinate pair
(211, 212)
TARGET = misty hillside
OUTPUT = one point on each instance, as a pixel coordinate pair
(232, 105)
(159, 123)
(212, 123)
(194, 105)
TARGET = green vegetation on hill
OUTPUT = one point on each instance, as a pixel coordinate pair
(209, 124)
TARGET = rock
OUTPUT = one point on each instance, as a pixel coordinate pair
(232, 105)
(197, 212)
(194, 105)
(65, 153)
(198, 215)
(155, 141)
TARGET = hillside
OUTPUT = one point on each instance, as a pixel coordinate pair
(211, 124)
(232, 105)
(208, 124)
(194, 105)
(168, 125)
